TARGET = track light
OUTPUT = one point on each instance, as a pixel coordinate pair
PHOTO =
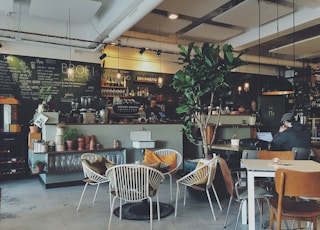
(159, 52)
(103, 56)
(141, 51)
(172, 16)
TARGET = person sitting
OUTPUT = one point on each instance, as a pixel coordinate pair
(153, 108)
(291, 134)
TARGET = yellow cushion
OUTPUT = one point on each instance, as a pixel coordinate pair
(203, 181)
(170, 159)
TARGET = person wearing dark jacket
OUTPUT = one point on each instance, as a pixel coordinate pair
(291, 134)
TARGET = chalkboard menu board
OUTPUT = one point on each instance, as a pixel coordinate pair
(22, 77)
(29, 74)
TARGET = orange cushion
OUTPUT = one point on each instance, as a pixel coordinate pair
(170, 159)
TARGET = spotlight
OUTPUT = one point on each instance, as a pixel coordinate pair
(141, 51)
(103, 56)
(172, 16)
(159, 52)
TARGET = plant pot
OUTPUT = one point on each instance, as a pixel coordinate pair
(69, 144)
(80, 143)
(40, 167)
(33, 129)
(235, 142)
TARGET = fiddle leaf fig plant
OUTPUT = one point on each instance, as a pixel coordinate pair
(202, 84)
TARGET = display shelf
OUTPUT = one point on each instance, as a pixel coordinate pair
(65, 168)
(12, 157)
(113, 87)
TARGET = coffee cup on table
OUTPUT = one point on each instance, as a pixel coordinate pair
(275, 160)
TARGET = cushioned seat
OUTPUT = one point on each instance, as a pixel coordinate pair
(94, 168)
(168, 156)
(132, 183)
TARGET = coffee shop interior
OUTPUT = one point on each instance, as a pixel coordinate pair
(86, 70)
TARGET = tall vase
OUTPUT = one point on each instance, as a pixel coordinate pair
(80, 143)
(59, 139)
(92, 143)
(87, 142)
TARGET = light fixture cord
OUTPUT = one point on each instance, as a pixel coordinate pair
(259, 48)
(293, 38)
(278, 37)
(69, 27)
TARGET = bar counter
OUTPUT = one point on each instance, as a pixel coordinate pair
(166, 135)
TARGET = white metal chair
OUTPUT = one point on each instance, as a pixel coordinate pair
(134, 183)
(249, 154)
(204, 172)
(165, 152)
(91, 177)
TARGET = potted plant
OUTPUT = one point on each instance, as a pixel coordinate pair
(39, 166)
(70, 136)
(46, 97)
(202, 84)
(32, 127)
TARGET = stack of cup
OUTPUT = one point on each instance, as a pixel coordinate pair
(59, 139)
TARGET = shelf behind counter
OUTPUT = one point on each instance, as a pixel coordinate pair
(64, 167)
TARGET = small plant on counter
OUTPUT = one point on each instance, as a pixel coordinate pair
(71, 134)
(45, 94)
(39, 166)
(33, 128)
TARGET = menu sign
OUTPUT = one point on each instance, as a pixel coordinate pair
(23, 77)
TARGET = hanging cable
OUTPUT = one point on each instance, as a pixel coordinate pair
(70, 68)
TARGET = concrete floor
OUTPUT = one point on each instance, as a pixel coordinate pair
(27, 205)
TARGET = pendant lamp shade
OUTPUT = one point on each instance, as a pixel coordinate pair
(278, 86)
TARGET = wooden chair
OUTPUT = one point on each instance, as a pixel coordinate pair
(238, 191)
(291, 185)
(316, 153)
(282, 155)
(204, 173)
(134, 183)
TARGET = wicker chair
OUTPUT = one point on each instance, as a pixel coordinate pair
(91, 177)
(165, 152)
(134, 183)
(204, 173)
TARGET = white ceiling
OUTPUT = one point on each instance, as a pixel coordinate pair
(95, 23)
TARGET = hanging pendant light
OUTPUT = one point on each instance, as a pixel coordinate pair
(280, 85)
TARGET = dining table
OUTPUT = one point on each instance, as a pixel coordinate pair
(266, 168)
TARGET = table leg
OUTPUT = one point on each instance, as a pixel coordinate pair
(244, 219)
(251, 205)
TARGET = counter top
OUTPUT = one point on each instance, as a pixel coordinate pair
(80, 151)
